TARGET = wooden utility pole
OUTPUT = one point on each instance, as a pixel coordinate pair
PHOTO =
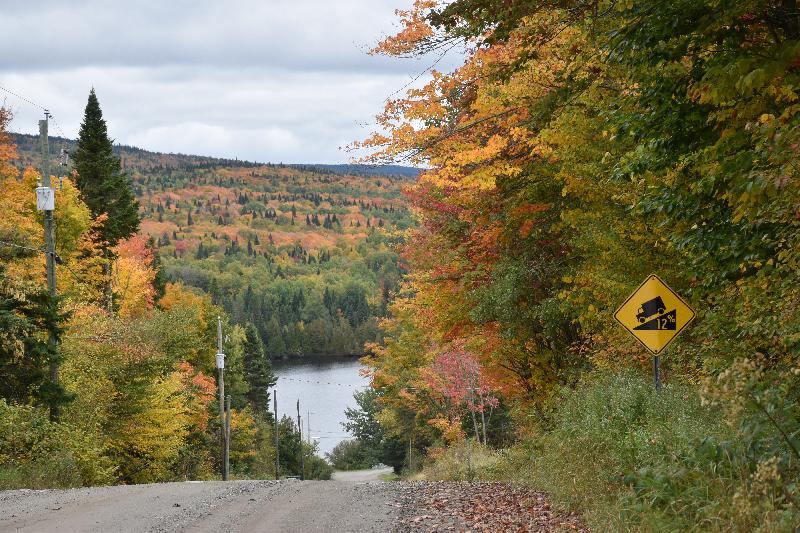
(300, 442)
(277, 442)
(221, 386)
(50, 250)
(227, 452)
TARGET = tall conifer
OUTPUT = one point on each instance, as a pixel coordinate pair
(257, 370)
(103, 185)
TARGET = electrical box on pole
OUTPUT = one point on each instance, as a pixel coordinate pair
(45, 199)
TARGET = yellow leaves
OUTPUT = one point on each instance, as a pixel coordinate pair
(766, 118)
(72, 217)
(244, 434)
(493, 148)
(133, 277)
(8, 151)
(415, 30)
(153, 435)
(19, 226)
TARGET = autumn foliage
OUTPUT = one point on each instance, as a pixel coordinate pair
(136, 387)
(579, 148)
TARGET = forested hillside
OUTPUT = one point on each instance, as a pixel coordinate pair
(304, 252)
(581, 147)
(150, 249)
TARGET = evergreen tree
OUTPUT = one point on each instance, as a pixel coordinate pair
(103, 185)
(257, 370)
(25, 355)
(276, 347)
(160, 281)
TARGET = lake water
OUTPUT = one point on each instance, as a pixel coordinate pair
(325, 387)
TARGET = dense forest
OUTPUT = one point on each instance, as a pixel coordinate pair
(304, 252)
(580, 148)
(112, 378)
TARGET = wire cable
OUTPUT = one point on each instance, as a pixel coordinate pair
(315, 382)
(13, 245)
(43, 108)
(31, 102)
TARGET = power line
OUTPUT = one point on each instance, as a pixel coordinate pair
(34, 104)
(13, 245)
(12, 93)
(58, 259)
(315, 382)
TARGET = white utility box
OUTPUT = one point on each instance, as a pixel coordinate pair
(45, 199)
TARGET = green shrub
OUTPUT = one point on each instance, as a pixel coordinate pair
(36, 453)
(317, 468)
(631, 459)
(349, 455)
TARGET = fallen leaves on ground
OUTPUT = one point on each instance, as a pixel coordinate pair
(484, 507)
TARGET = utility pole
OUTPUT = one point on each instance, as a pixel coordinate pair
(45, 196)
(221, 387)
(227, 451)
(300, 441)
(277, 447)
(308, 423)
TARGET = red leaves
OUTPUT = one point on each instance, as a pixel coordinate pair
(456, 375)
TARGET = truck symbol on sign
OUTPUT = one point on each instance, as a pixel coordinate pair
(649, 308)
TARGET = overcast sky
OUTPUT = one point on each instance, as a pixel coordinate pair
(263, 80)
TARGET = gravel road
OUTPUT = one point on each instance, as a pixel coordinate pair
(354, 501)
(236, 506)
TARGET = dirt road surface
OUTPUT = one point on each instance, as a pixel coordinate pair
(362, 475)
(354, 501)
(236, 506)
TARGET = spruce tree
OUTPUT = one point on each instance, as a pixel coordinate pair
(103, 185)
(276, 347)
(25, 355)
(257, 370)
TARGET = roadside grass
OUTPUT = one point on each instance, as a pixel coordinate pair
(630, 459)
(464, 461)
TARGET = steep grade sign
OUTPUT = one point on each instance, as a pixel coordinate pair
(654, 314)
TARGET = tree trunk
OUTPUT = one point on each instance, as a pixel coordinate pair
(483, 424)
(475, 424)
(109, 288)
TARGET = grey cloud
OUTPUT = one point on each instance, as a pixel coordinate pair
(268, 80)
(293, 34)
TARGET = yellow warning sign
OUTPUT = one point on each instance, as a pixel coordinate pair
(654, 314)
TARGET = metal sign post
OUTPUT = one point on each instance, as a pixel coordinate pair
(655, 315)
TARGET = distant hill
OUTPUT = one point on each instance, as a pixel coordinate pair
(29, 146)
(304, 252)
(397, 171)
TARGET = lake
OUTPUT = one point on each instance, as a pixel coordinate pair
(325, 387)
